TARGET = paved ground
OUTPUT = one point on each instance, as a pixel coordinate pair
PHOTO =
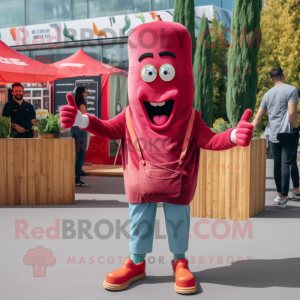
(264, 265)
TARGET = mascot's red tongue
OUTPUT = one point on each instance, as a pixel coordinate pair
(160, 120)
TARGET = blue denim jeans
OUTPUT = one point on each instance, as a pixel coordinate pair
(142, 223)
(80, 147)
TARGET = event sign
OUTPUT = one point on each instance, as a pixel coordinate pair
(67, 85)
(98, 28)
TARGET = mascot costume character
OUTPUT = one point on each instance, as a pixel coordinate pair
(161, 137)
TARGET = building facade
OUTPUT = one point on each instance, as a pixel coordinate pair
(16, 13)
(51, 30)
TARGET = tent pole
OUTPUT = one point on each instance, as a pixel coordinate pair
(118, 151)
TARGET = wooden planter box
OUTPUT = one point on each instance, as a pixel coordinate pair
(231, 183)
(37, 171)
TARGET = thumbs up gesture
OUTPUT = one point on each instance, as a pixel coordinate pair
(68, 113)
(244, 129)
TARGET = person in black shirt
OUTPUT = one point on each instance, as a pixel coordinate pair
(22, 113)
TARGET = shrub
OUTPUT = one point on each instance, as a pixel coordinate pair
(51, 124)
(220, 126)
(5, 128)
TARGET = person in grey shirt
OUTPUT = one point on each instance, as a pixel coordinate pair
(279, 100)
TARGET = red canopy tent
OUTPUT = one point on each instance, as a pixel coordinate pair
(81, 64)
(15, 66)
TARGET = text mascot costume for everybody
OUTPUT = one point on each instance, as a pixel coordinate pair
(161, 137)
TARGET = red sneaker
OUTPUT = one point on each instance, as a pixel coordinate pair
(120, 279)
(184, 279)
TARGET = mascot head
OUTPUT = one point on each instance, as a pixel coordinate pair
(160, 80)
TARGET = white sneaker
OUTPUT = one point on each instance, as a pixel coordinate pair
(295, 196)
(277, 200)
(83, 184)
(283, 203)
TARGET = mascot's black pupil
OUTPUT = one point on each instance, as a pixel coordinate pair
(150, 73)
(165, 72)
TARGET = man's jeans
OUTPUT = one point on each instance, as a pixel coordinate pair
(80, 146)
(285, 157)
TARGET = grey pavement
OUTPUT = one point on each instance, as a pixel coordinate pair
(264, 263)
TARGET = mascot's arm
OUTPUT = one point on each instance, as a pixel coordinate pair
(113, 129)
(70, 116)
(209, 140)
(241, 135)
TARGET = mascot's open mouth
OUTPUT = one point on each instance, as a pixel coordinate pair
(159, 113)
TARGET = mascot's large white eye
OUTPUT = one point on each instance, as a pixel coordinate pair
(148, 73)
(166, 72)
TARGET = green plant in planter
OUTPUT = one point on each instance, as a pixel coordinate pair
(49, 125)
(220, 126)
(5, 128)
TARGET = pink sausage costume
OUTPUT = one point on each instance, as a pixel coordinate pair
(161, 136)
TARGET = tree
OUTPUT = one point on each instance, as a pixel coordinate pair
(179, 12)
(189, 10)
(202, 70)
(289, 49)
(268, 53)
(220, 56)
(243, 58)
(280, 26)
(184, 13)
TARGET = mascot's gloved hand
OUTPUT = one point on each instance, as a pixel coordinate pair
(243, 133)
(71, 116)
